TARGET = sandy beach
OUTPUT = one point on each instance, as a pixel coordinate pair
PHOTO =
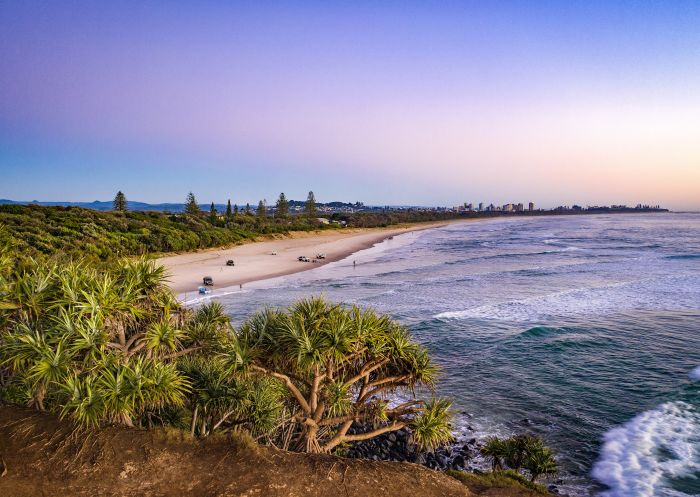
(254, 261)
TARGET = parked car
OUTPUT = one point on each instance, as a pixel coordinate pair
(273, 253)
(204, 290)
(230, 262)
(320, 256)
(303, 258)
(208, 281)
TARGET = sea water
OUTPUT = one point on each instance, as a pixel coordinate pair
(584, 330)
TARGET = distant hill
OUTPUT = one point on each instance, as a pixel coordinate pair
(106, 205)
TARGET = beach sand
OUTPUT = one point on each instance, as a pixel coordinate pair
(254, 261)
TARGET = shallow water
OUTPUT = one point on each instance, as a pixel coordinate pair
(582, 329)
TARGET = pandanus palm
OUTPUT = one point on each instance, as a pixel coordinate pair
(540, 462)
(497, 450)
(218, 399)
(338, 365)
(40, 359)
(73, 336)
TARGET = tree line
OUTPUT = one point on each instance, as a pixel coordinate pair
(192, 207)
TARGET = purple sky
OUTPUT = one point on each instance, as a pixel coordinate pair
(383, 102)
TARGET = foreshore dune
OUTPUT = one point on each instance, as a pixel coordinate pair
(254, 261)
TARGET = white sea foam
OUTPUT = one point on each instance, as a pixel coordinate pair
(694, 374)
(638, 458)
(671, 293)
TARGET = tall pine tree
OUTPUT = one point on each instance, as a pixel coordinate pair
(261, 210)
(212, 213)
(310, 207)
(282, 206)
(229, 214)
(191, 206)
(120, 203)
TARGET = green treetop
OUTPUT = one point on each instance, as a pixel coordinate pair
(229, 214)
(310, 207)
(212, 212)
(191, 206)
(336, 366)
(261, 211)
(282, 206)
(120, 203)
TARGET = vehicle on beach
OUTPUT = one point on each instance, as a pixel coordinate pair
(230, 262)
(320, 256)
(208, 281)
(303, 258)
(204, 290)
(273, 252)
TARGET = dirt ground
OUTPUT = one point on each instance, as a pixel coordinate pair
(42, 456)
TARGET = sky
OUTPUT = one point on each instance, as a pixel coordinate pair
(385, 102)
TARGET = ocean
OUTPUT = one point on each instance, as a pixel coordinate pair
(584, 330)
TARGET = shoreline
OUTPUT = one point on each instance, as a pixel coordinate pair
(254, 261)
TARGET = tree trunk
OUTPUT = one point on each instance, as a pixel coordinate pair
(194, 420)
(308, 438)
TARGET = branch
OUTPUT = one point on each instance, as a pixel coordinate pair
(133, 339)
(135, 349)
(339, 437)
(408, 404)
(395, 426)
(367, 370)
(223, 418)
(313, 396)
(181, 353)
(292, 388)
(377, 391)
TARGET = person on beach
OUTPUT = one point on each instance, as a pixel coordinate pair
(354, 263)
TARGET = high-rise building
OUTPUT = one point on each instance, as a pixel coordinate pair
(481, 206)
(531, 206)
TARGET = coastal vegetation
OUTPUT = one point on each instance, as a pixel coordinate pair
(103, 235)
(110, 344)
(508, 481)
(520, 452)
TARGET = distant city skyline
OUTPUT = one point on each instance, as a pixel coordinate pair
(399, 103)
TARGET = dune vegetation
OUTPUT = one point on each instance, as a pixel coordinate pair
(104, 235)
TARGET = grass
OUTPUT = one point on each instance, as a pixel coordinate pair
(479, 482)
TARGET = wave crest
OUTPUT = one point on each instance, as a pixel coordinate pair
(640, 457)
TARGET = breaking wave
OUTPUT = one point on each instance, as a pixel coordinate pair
(655, 293)
(642, 457)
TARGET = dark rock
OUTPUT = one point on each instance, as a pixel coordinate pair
(458, 462)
